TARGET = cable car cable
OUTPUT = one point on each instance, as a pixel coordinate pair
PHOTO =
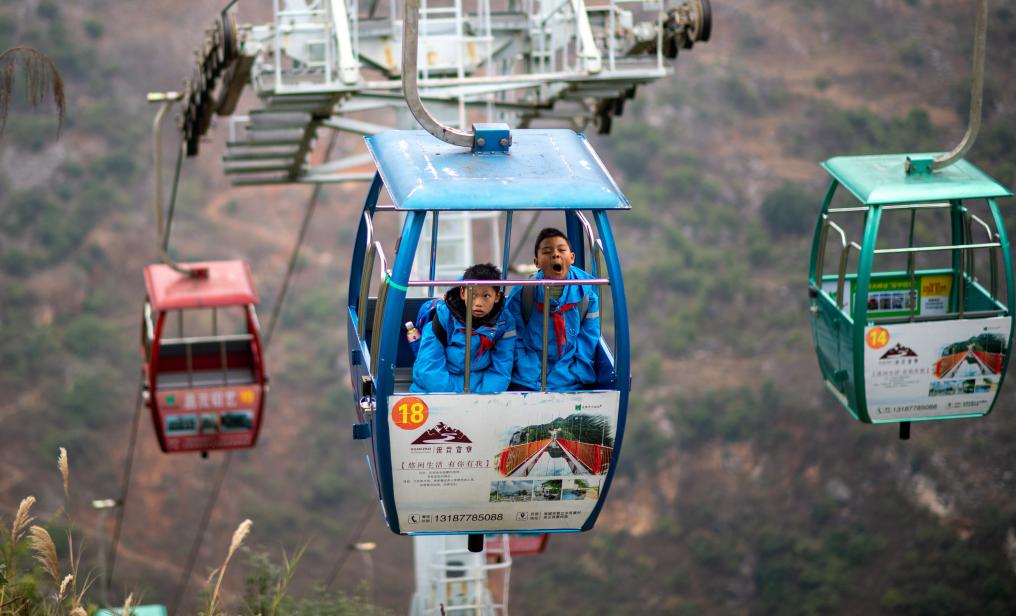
(124, 486)
(295, 254)
(368, 511)
(276, 311)
(168, 99)
(199, 538)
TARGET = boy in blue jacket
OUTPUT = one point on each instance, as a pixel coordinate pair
(440, 363)
(573, 327)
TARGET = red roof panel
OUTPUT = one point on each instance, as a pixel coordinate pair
(229, 283)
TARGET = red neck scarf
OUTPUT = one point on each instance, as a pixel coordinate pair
(559, 330)
(486, 343)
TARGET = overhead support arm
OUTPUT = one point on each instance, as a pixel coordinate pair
(918, 166)
(410, 85)
(167, 100)
(976, 90)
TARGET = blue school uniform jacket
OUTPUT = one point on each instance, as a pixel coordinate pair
(571, 339)
(441, 369)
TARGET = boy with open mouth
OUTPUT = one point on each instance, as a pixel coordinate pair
(574, 324)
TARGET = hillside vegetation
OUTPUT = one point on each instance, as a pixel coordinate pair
(743, 487)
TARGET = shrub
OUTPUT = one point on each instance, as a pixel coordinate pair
(789, 210)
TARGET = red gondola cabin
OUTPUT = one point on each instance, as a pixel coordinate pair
(205, 378)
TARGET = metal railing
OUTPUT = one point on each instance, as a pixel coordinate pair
(189, 342)
(376, 251)
(452, 568)
(965, 273)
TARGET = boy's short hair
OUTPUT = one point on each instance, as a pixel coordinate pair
(548, 232)
(482, 271)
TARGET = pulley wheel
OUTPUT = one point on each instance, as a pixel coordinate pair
(703, 26)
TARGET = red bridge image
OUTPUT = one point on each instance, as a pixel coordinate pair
(554, 456)
(969, 363)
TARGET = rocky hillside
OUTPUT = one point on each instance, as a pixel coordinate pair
(743, 487)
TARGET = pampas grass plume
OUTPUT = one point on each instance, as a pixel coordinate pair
(22, 519)
(63, 586)
(65, 472)
(239, 535)
(45, 551)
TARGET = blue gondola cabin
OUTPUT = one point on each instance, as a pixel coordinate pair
(515, 461)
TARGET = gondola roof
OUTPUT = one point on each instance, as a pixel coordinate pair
(545, 169)
(882, 180)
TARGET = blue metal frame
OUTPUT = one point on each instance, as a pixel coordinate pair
(379, 458)
(622, 353)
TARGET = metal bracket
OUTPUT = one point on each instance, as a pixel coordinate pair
(491, 138)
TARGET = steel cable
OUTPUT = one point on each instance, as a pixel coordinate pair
(125, 485)
(276, 311)
(345, 554)
(199, 539)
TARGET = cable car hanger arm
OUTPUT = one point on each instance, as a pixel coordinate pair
(167, 99)
(410, 86)
(923, 165)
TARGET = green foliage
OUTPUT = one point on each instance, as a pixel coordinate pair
(731, 414)
(32, 131)
(827, 130)
(911, 53)
(89, 335)
(34, 579)
(8, 25)
(266, 592)
(645, 445)
(90, 400)
(94, 29)
(48, 9)
(27, 351)
(789, 210)
(633, 147)
(798, 575)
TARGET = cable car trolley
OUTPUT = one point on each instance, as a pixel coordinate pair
(204, 373)
(917, 329)
(898, 342)
(516, 461)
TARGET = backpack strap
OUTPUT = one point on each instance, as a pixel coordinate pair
(526, 303)
(529, 298)
(439, 331)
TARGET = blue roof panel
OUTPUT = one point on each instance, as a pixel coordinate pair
(545, 169)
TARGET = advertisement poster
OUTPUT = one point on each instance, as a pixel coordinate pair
(512, 461)
(209, 417)
(892, 297)
(933, 369)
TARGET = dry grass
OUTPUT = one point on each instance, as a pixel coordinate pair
(45, 551)
(22, 519)
(41, 78)
(65, 472)
(239, 535)
(63, 586)
(67, 596)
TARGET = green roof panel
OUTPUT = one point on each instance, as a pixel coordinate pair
(138, 610)
(882, 180)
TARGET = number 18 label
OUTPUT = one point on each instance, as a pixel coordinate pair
(409, 413)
